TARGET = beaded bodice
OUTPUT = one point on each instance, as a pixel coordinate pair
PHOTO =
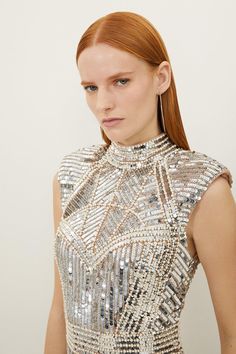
(121, 246)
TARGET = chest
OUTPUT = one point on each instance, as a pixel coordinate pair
(116, 248)
(115, 205)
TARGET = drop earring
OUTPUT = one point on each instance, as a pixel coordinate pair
(162, 115)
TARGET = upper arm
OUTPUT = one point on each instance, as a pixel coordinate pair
(213, 228)
(57, 212)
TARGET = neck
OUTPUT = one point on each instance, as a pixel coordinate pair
(141, 140)
(141, 154)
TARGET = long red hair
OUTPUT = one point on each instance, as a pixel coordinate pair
(134, 34)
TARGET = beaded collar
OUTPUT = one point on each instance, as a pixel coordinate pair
(139, 155)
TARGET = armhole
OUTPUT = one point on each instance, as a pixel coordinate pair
(194, 192)
(226, 174)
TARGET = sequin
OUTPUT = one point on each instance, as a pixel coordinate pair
(121, 246)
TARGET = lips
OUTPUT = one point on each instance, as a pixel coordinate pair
(110, 119)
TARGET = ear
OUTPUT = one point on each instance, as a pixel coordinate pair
(163, 77)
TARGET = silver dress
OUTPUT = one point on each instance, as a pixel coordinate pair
(121, 246)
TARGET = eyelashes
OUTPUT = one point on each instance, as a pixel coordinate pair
(126, 80)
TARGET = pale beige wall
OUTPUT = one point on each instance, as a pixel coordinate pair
(44, 116)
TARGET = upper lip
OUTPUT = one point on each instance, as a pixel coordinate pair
(110, 118)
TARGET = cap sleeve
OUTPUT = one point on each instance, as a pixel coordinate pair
(226, 173)
(191, 174)
(74, 166)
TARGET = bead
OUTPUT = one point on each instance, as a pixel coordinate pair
(121, 245)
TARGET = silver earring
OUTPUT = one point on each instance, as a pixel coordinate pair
(162, 115)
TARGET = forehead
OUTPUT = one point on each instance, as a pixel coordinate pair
(101, 61)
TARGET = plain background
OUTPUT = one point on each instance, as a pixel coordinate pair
(44, 116)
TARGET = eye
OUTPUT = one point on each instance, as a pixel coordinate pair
(91, 86)
(86, 88)
(126, 80)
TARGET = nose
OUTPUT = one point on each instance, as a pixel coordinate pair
(104, 101)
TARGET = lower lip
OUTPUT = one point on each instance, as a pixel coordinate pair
(112, 122)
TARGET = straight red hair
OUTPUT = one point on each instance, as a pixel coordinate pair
(134, 34)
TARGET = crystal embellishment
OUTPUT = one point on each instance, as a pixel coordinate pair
(121, 246)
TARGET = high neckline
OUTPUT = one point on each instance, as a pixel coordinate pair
(139, 155)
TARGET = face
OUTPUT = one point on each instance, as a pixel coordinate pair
(130, 95)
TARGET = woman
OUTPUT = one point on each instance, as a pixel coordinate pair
(130, 226)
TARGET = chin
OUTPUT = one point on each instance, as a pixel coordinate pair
(114, 136)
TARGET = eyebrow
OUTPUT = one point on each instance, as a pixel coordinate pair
(109, 78)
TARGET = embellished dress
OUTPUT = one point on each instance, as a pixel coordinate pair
(121, 245)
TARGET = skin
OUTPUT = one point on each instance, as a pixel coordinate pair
(135, 100)
(211, 229)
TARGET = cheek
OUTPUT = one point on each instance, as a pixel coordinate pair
(141, 102)
(90, 102)
(140, 92)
